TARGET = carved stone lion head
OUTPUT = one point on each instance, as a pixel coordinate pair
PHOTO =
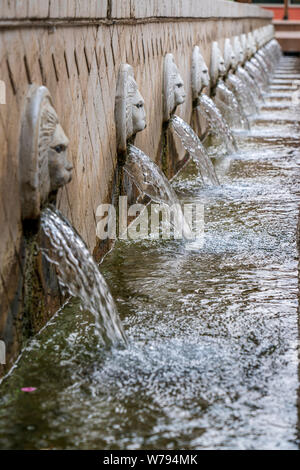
(200, 75)
(174, 92)
(43, 162)
(217, 64)
(130, 113)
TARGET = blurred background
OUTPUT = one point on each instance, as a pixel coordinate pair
(286, 21)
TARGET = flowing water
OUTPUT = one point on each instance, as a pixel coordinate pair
(266, 60)
(79, 275)
(195, 148)
(212, 330)
(151, 182)
(229, 107)
(286, 76)
(242, 94)
(282, 87)
(217, 123)
(148, 177)
(254, 72)
(251, 85)
(261, 67)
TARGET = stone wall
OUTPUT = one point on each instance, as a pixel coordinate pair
(75, 47)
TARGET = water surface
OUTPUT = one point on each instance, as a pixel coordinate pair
(212, 330)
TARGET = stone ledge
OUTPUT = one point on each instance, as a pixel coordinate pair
(288, 40)
(125, 9)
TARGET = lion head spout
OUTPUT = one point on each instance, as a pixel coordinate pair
(130, 116)
(200, 74)
(217, 64)
(43, 162)
(173, 91)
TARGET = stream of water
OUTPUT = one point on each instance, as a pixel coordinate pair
(217, 124)
(229, 107)
(79, 276)
(255, 74)
(151, 182)
(253, 90)
(196, 149)
(243, 96)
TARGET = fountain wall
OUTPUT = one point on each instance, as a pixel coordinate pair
(75, 48)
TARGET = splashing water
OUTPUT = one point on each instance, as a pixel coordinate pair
(217, 123)
(266, 59)
(242, 95)
(195, 148)
(254, 72)
(148, 177)
(78, 274)
(252, 87)
(213, 340)
(151, 182)
(229, 107)
(260, 64)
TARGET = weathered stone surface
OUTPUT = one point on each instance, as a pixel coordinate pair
(193, 9)
(118, 9)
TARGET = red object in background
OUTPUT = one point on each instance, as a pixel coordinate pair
(294, 13)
